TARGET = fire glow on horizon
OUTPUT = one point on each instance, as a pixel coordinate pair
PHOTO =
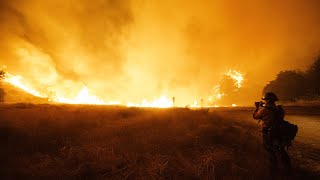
(144, 53)
(84, 96)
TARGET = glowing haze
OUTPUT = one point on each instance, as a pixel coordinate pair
(143, 52)
(84, 96)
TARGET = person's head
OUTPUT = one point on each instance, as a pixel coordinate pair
(270, 97)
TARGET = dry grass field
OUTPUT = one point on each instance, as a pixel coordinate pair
(103, 142)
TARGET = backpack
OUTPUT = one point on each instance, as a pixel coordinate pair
(284, 130)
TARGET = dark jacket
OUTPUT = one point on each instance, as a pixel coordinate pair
(269, 114)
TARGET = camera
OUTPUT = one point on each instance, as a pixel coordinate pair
(259, 104)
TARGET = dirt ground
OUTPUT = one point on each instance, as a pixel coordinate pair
(103, 142)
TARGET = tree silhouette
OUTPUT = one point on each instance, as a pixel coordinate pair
(289, 85)
(227, 85)
(313, 79)
(230, 90)
(294, 85)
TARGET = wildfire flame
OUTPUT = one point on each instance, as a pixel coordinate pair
(237, 76)
(84, 96)
(217, 95)
(17, 82)
(162, 102)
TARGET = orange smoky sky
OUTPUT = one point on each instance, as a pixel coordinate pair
(128, 50)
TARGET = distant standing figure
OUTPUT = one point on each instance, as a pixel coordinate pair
(270, 114)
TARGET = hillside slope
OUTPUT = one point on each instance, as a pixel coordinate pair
(15, 95)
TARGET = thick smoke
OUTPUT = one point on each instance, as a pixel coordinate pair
(65, 45)
(131, 50)
(186, 46)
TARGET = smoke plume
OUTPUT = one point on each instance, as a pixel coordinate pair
(128, 50)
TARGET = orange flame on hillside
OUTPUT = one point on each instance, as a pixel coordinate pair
(237, 76)
(162, 102)
(217, 93)
(84, 96)
(17, 81)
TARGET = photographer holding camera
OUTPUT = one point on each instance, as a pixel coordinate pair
(271, 116)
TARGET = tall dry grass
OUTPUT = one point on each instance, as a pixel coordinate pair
(86, 142)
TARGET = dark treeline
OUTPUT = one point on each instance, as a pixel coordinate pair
(294, 85)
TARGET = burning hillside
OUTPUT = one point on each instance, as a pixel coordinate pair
(144, 53)
(12, 94)
(85, 97)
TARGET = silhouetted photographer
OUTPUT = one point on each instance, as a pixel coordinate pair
(277, 133)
